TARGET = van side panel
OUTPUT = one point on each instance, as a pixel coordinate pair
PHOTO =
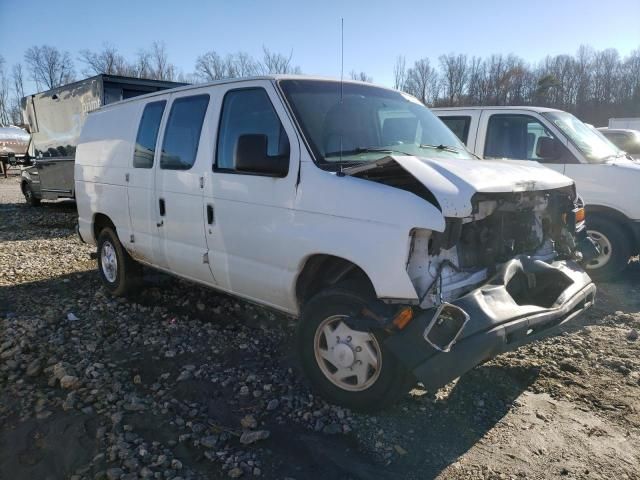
(359, 220)
(103, 157)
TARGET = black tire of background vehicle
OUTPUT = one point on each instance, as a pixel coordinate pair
(394, 380)
(620, 247)
(128, 273)
(29, 196)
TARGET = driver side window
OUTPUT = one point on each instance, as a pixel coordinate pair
(249, 111)
(522, 137)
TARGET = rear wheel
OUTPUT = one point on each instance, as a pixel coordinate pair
(614, 244)
(29, 196)
(347, 366)
(119, 273)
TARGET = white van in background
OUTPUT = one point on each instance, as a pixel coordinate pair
(606, 179)
(347, 205)
(625, 139)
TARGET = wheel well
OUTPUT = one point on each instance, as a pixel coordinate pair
(101, 221)
(615, 216)
(606, 211)
(321, 271)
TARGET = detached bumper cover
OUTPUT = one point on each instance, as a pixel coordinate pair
(525, 300)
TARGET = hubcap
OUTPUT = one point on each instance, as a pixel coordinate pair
(605, 249)
(109, 262)
(349, 358)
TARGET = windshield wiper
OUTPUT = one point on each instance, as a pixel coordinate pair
(446, 148)
(357, 150)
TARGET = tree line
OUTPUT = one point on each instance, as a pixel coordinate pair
(594, 85)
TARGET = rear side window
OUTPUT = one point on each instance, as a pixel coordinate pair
(249, 111)
(459, 126)
(182, 134)
(148, 134)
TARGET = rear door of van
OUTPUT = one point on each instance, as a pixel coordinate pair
(180, 245)
(141, 181)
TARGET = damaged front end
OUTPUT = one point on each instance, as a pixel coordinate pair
(522, 301)
(544, 225)
(498, 276)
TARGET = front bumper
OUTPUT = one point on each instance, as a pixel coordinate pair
(523, 301)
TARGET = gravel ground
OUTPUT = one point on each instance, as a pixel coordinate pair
(181, 382)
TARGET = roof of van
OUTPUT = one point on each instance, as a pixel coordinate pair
(272, 77)
(509, 107)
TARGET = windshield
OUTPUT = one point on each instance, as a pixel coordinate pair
(593, 145)
(368, 124)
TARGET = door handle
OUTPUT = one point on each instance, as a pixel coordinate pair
(210, 217)
(162, 207)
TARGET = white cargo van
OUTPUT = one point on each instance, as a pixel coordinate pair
(606, 178)
(347, 205)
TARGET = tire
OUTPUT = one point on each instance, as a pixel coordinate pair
(614, 243)
(29, 196)
(120, 274)
(381, 388)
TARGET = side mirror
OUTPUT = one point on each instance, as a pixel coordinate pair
(548, 148)
(251, 156)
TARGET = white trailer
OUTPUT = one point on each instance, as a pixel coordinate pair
(632, 123)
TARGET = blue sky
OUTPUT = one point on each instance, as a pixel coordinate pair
(376, 31)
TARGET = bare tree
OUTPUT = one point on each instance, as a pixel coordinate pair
(631, 80)
(107, 61)
(455, 75)
(18, 80)
(211, 66)
(48, 66)
(161, 68)
(605, 71)
(361, 76)
(141, 68)
(241, 64)
(422, 81)
(400, 73)
(4, 94)
(475, 83)
(18, 94)
(273, 63)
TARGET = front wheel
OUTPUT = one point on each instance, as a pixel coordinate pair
(346, 366)
(29, 196)
(614, 244)
(119, 273)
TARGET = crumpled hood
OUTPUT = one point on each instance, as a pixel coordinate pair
(453, 182)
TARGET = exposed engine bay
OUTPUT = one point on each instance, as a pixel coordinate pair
(444, 266)
(528, 221)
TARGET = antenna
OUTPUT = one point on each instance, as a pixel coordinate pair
(341, 56)
(341, 79)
